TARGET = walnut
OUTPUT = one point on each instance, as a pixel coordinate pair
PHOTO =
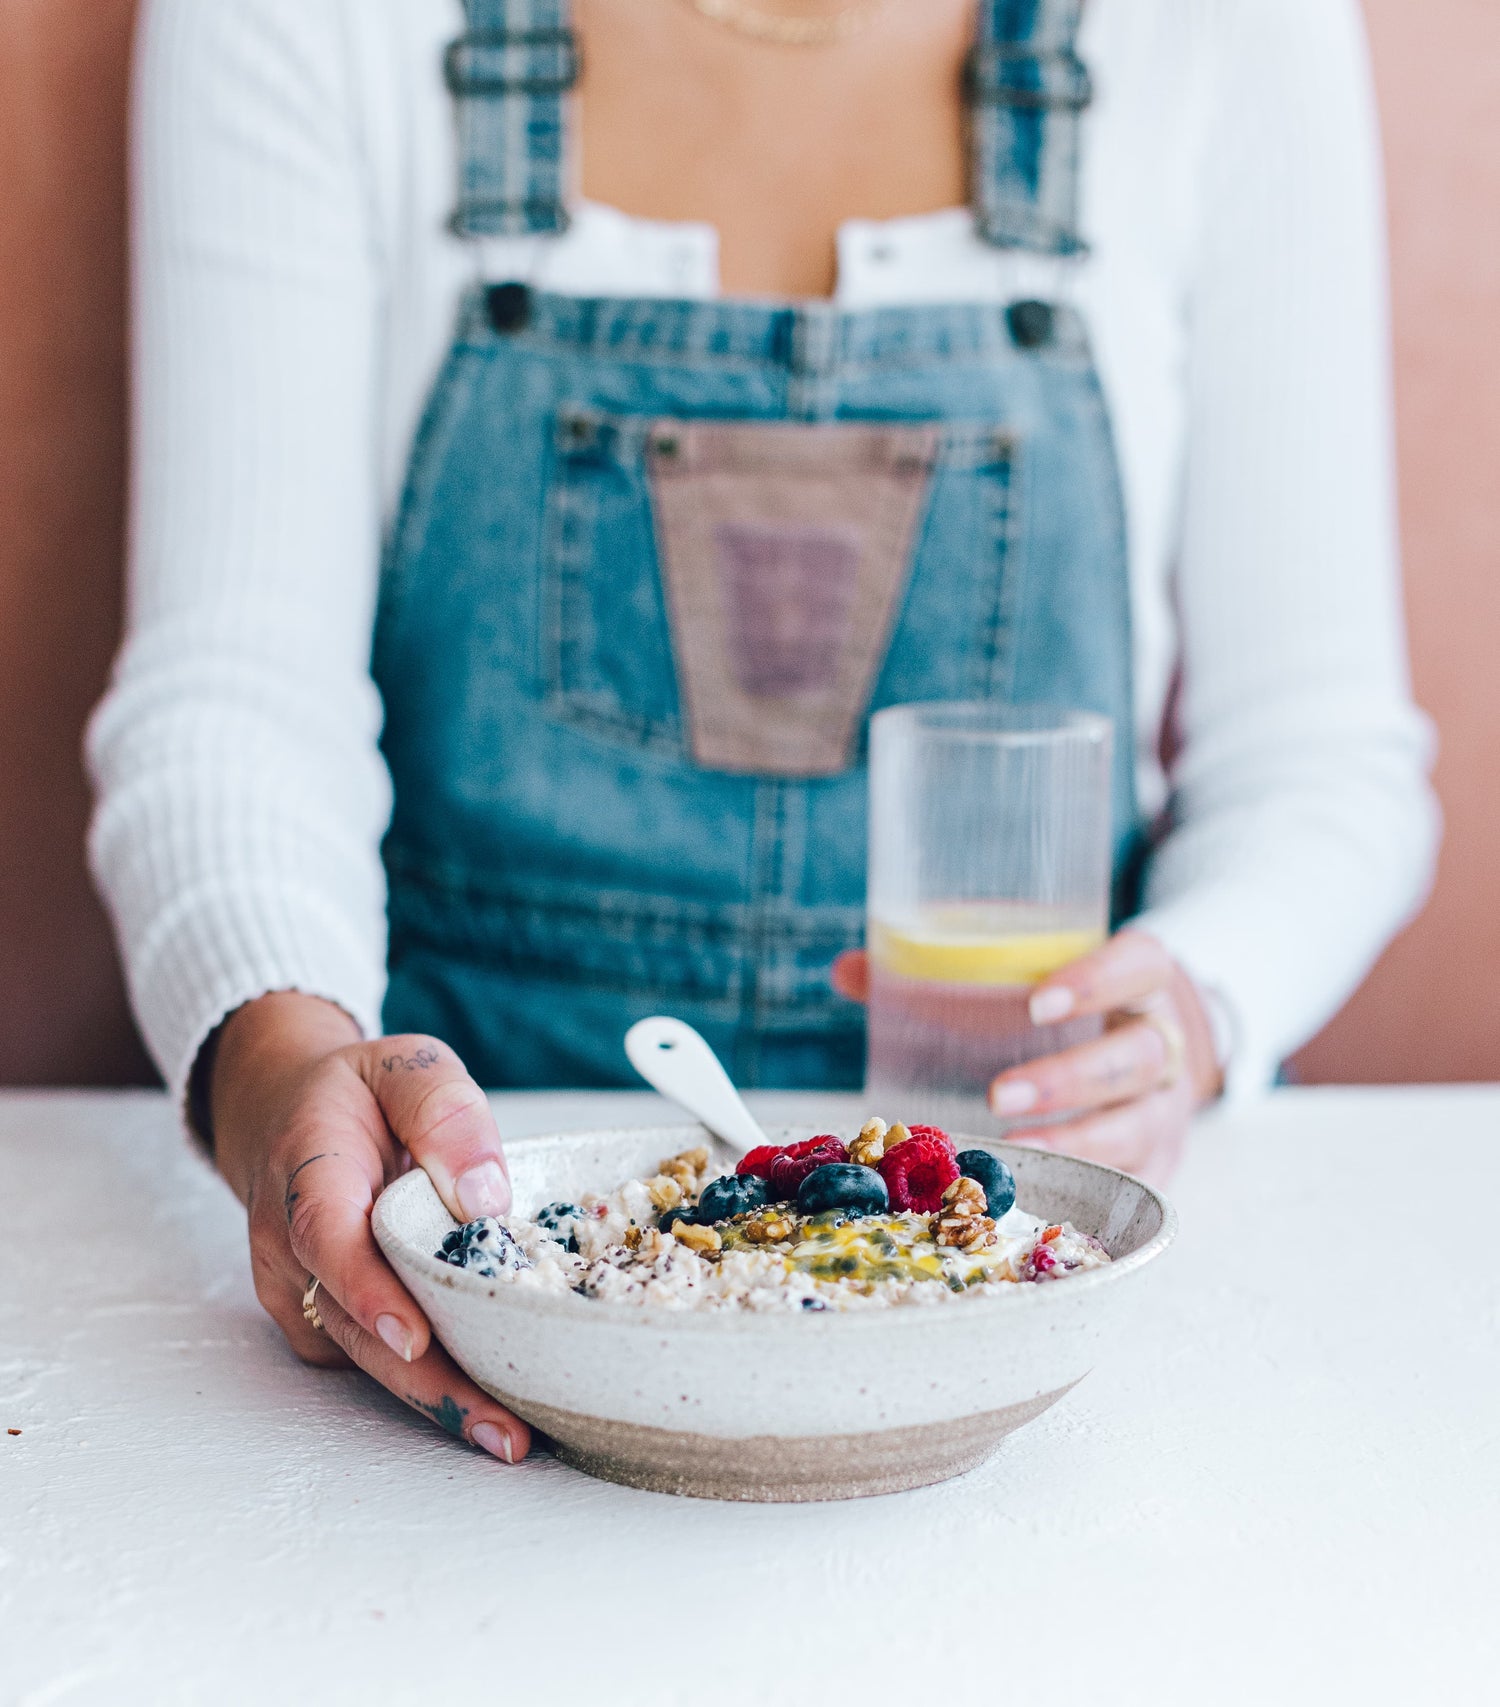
(665, 1193)
(769, 1228)
(869, 1147)
(680, 1175)
(632, 1239)
(962, 1222)
(688, 1170)
(897, 1134)
(974, 1235)
(696, 1238)
(966, 1191)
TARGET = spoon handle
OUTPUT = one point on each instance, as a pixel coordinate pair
(673, 1059)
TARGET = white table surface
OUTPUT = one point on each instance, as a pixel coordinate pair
(1284, 1487)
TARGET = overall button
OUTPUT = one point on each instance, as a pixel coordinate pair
(1031, 323)
(509, 306)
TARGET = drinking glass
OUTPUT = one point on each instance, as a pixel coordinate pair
(990, 844)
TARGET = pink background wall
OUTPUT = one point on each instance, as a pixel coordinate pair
(62, 443)
(1430, 1011)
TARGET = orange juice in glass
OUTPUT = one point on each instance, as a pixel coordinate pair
(990, 843)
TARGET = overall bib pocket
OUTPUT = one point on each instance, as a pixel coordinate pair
(727, 592)
(606, 653)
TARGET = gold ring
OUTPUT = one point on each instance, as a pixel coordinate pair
(1174, 1040)
(309, 1304)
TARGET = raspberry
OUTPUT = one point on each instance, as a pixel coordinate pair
(797, 1161)
(918, 1172)
(758, 1161)
(932, 1132)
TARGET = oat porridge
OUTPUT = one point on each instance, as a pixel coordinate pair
(896, 1217)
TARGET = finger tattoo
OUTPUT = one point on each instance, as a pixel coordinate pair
(447, 1413)
(418, 1063)
(290, 1200)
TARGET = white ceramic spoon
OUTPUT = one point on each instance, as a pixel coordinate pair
(673, 1059)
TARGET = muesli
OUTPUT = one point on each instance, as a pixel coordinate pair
(897, 1217)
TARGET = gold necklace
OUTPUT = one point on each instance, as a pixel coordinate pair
(792, 32)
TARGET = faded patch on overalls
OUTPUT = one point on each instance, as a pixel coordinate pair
(786, 550)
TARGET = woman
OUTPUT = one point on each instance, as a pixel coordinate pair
(765, 362)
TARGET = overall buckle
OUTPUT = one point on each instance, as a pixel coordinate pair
(496, 63)
(1014, 75)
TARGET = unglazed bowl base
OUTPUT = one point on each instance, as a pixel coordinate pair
(775, 1405)
(772, 1469)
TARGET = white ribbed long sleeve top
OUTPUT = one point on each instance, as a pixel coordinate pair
(296, 288)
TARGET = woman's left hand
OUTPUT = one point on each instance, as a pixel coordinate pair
(1131, 1093)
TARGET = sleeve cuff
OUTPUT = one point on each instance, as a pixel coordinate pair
(217, 952)
(1241, 1010)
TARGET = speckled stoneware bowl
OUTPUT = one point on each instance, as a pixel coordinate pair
(745, 1406)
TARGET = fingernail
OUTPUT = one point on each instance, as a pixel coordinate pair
(1049, 1006)
(1013, 1097)
(394, 1332)
(494, 1440)
(482, 1191)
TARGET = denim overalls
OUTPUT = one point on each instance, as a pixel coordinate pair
(656, 563)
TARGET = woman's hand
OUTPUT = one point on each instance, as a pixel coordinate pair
(1132, 1092)
(309, 1124)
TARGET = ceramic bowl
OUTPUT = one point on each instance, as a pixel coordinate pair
(746, 1406)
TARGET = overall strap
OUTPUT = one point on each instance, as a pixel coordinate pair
(1027, 91)
(510, 74)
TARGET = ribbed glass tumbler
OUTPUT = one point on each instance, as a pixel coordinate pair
(990, 840)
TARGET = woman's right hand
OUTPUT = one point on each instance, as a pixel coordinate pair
(310, 1124)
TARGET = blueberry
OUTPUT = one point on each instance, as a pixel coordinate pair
(561, 1221)
(843, 1185)
(998, 1181)
(669, 1218)
(734, 1194)
(486, 1247)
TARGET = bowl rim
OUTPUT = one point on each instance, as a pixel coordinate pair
(568, 1306)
